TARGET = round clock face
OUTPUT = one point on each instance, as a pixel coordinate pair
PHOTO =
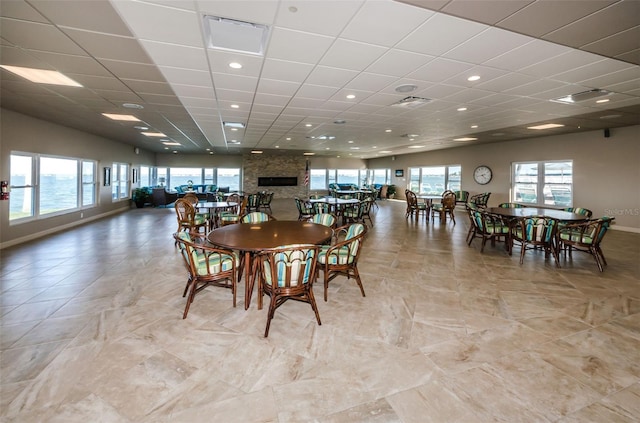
(482, 175)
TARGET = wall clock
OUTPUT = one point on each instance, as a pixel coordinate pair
(482, 175)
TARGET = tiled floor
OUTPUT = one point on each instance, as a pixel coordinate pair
(92, 332)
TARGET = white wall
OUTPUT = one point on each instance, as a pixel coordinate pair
(606, 170)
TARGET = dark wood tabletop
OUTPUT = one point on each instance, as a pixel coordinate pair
(255, 237)
(537, 211)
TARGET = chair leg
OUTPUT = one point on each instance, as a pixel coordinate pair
(312, 301)
(272, 310)
(356, 276)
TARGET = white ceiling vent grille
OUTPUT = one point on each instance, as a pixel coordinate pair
(582, 96)
(229, 34)
(411, 102)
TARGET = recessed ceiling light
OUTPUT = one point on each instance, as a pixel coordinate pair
(416, 146)
(42, 76)
(604, 100)
(465, 139)
(210, 152)
(351, 96)
(473, 78)
(610, 116)
(474, 126)
(327, 148)
(288, 138)
(387, 130)
(546, 126)
(171, 143)
(293, 9)
(350, 141)
(127, 118)
(235, 106)
(142, 128)
(132, 106)
(256, 151)
(175, 152)
(308, 125)
(308, 154)
(235, 125)
(461, 109)
(235, 65)
(153, 134)
(277, 146)
(385, 151)
(406, 88)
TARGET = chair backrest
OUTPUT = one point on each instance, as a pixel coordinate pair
(202, 259)
(185, 211)
(265, 198)
(354, 237)
(461, 196)
(510, 205)
(256, 217)
(320, 207)
(289, 266)
(191, 197)
(480, 200)
(579, 210)
(537, 229)
(253, 200)
(412, 198)
(303, 206)
(325, 219)
(448, 200)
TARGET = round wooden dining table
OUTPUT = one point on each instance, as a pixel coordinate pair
(251, 238)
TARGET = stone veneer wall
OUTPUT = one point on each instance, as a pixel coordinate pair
(259, 165)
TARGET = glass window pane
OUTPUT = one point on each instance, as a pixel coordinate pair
(145, 176)
(163, 180)
(317, 179)
(414, 179)
(58, 186)
(209, 178)
(88, 183)
(124, 180)
(558, 181)
(433, 180)
(348, 176)
(229, 178)
(525, 189)
(21, 197)
(380, 176)
(454, 177)
(182, 176)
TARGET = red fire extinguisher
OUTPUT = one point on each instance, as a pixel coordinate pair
(4, 195)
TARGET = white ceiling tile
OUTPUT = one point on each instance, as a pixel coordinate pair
(398, 63)
(487, 45)
(559, 64)
(186, 76)
(21, 10)
(526, 55)
(622, 80)
(306, 103)
(234, 82)
(370, 82)
(278, 100)
(382, 99)
(254, 11)
(534, 87)
(182, 90)
(102, 46)
(374, 15)
(97, 16)
(506, 82)
(270, 86)
(316, 17)
(129, 70)
(286, 70)
(592, 70)
(341, 95)
(297, 46)
(37, 36)
(235, 95)
(439, 70)
(316, 92)
(144, 18)
(177, 56)
(219, 62)
(439, 34)
(331, 77)
(352, 55)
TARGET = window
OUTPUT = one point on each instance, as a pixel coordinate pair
(229, 178)
(348, 176)
(119, 181)
(22, 199)
(318, 179)
(434, 180)
(182, 175)
(63, 185)
(543, 183)
(379, 176)
(145, 176)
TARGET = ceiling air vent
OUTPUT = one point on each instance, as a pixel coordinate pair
(411, 102)
(582, 96)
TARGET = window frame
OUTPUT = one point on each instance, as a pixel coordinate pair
(447, 171)
(540, 184)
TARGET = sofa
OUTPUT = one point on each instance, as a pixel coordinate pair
(198, 188)
(160, 197)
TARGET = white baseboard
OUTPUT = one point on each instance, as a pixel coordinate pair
(59, 228)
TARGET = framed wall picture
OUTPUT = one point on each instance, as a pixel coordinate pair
(106, 176)
(399, 172)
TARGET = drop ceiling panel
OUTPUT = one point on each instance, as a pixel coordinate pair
(186, 76)
(331, 77)
(96, 15)
(398, 63)
(316, 17)
(286, 70)
(487, 45)
(542, 17)
(102, 46)
(317, 92)
(370, 82)
(439, 34)
(567, 61)
(176, 56)
(351, 55)
(617, 44)
(144, 17)
(439, 70)
(255, 11)
(592, 70)
(232, 95)
(128, 70)
(37, 36)
(219, 62)
(20, 9)
(270, 86)
(297, 46)
(617, 17)
(234, 82)
(486, 11)
(365, 26)
(526, 55)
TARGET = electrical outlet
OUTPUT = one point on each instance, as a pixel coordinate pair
(81, 215)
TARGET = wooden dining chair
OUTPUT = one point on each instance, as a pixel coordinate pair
(489, 227)
(445, 207)
(341, 258)
(586, 237)
(535, 232)
(206, 265)
(287, 273)
(415, 208)
(256, 217)
(188, 220)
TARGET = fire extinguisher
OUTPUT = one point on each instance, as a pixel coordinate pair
(4, 195)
